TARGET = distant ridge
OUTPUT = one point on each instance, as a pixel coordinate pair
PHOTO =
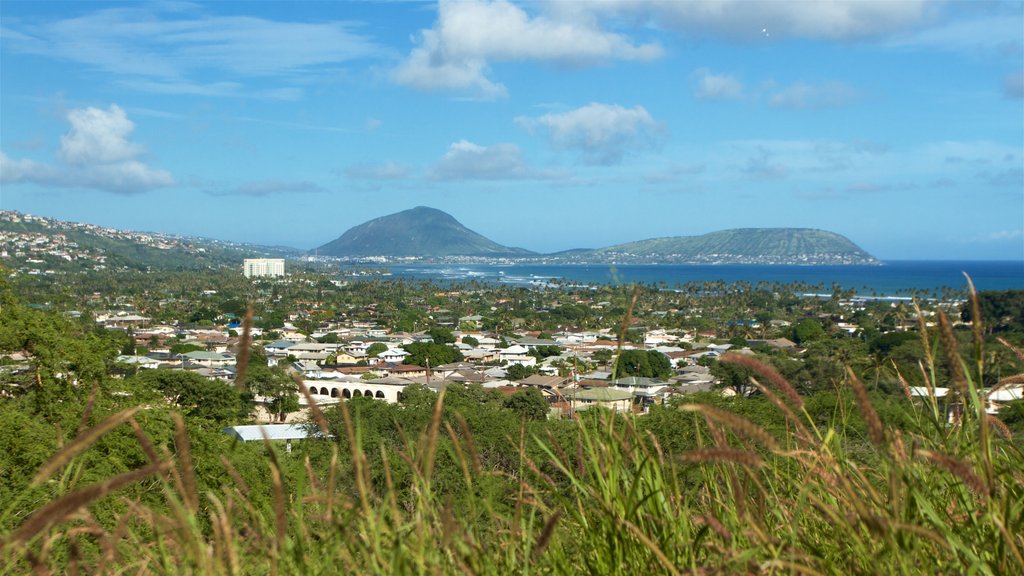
(428, 233)
(419, 232)
(740, 245)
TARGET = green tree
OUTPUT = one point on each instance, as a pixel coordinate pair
(376, 349)
(643, 363)
(437, 354)
(196, 396)
(529, 403)
(441, 335)
(1000, 311)
(808, 331)
(273, 383)
(518, 372)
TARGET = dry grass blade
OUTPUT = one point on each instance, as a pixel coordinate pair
(903, 381)
(435, 426)
(240, 482)
(80, 444)
(280, 502)
(318, 416)
(652, 546)
(998, 424)
(84, 421)
(949, 347)
(737, 424)
(875, 430)
(144, 441)
(62, 508)
(627, 320)
(545, 536)
(958, 468)
(976, 327)
(713, 523)
(718, 455)
(188, 475)
(922, 330)
(802, 433)
(1017, 351)
(769, 373)
(244, 350)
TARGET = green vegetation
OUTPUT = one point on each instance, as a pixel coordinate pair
(643, 363)
(821, 463)
(764, 245)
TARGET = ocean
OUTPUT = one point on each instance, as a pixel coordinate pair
(895, 278)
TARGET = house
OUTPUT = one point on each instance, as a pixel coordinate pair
(405, 371)
(779, 343)
(517, 354)
(393, 356)
(481, 355)
(531, 343)
(308, 369)
(139, 361)
(545, 382)
(279, 348)
(207, 359)
(611, 398)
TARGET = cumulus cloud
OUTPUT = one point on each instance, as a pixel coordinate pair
(98, 137)
(260, 188)
(1013, 85)
(465, 160)
(95, 153)
(802, 96)
(828, 20)
(175, 48)
(763, 166)
(468, 35)
(602, 133)
(994, 34)
(717, 86)
(379, 171)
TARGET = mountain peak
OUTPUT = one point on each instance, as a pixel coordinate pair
(421, 231)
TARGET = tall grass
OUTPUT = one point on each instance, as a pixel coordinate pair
(941, 496)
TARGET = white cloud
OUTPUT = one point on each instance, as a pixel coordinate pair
(96, 153)
(717, 86)
(767, 20)
(603, 133)
(468, 35)
(259, 188)
(175, 48)
(382, 171)
(998, 34)
(468, 161)
(813, 96)
(98, 137)
(1004, 235)
(763, 166)
(1013, 85)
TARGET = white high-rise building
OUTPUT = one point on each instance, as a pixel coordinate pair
(254, 267)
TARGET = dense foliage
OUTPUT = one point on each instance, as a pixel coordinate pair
(820, 464)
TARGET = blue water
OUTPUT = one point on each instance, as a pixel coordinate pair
(892, 279)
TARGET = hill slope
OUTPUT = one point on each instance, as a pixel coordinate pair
(421, 231)
(48, 243)
(741, 245)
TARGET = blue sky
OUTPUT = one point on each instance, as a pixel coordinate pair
(545, 125)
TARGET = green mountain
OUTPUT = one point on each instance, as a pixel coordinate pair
(738, 246)
(422, 232)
